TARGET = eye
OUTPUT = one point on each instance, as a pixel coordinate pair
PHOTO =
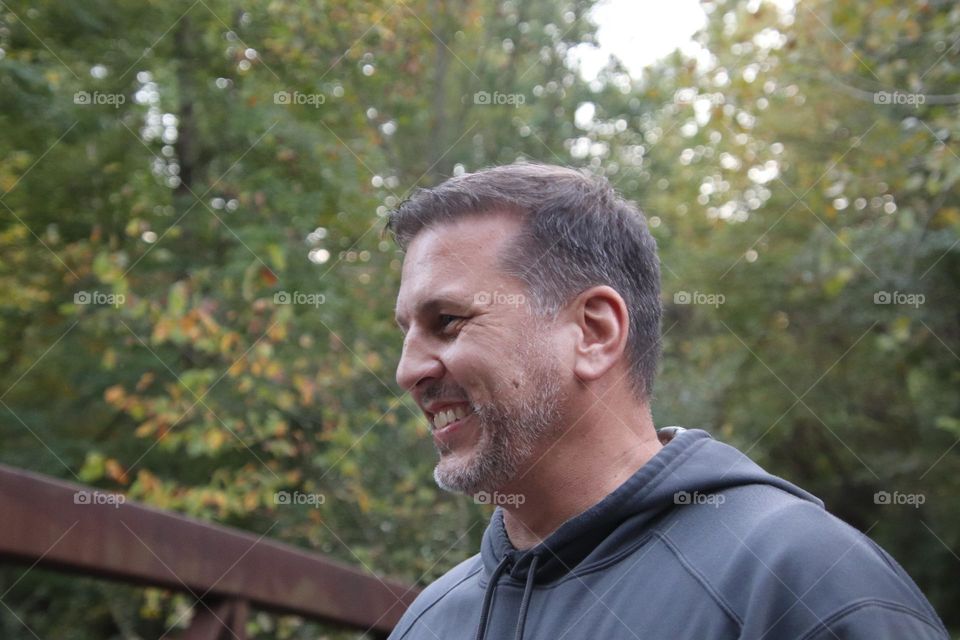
(444, 320)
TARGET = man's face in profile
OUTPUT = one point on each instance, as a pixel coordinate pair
(472, 345)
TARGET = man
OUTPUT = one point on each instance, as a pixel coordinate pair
(530, 308)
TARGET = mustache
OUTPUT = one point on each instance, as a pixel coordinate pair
(439, 392)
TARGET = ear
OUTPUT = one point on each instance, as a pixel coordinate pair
(603, 324)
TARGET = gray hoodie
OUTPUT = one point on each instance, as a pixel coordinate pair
(699, 543)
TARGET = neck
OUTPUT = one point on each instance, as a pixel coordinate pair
(580, 467)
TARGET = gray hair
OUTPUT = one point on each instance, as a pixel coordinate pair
(577, 233)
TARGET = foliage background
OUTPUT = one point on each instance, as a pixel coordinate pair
(770, 173)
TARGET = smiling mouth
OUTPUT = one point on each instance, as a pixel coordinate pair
(451, 415)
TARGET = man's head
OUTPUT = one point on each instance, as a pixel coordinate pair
(520, 284)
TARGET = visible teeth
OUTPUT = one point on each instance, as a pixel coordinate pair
(446, 416)
(443, 418)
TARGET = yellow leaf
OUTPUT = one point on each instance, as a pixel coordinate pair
(145, 380)
(363, 500)
(114, 395)
(215, 439)
(116, 472)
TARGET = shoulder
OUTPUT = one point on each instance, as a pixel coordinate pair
(788, 567)
(430, 597)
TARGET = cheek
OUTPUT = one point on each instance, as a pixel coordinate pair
(482, 369)
(465, 364)
(489, 355)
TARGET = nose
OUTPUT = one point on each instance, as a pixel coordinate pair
(418, 361)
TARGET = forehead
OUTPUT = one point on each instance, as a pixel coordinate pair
(455, 258)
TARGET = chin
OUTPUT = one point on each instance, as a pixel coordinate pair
(454, 476)
(469, 475)
(459, 475)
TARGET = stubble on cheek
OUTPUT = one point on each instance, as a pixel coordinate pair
(524, 412)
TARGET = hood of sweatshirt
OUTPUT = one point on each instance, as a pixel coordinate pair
(690, 464)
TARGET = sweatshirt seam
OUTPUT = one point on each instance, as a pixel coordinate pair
(664, 472)
(902, 575)
(669, 468)
(440, 597)
(645, 489)
(725, 606)
(610, 560)
(824, 625)
(581, 572)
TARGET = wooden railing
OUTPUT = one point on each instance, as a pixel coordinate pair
(73, 528)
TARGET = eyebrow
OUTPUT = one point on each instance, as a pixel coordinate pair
(431, 305)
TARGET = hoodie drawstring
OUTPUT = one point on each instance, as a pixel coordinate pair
(488, 597)
(525, 602)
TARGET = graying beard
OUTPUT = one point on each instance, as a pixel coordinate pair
(508, 439)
